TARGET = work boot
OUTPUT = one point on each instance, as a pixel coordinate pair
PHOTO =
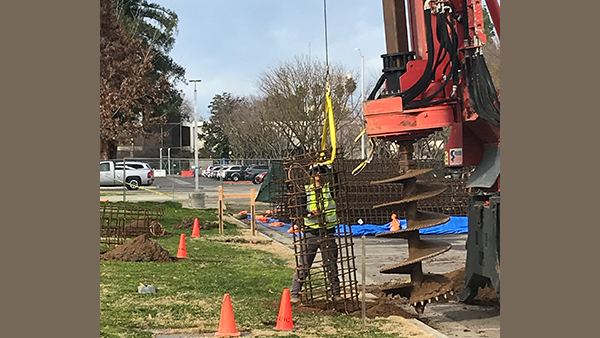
(338, 298)
(294, 299)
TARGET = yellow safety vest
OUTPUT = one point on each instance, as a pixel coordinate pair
(328, 205)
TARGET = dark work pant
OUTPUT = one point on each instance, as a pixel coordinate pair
(329, 253)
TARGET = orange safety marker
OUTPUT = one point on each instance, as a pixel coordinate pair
(182, 252)
(395, 226)
(196, 229)
(284, 319)
(227, 327)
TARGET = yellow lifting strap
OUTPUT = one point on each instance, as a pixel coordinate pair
(329, 124)
(364, 163)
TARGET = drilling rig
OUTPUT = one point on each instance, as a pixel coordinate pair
(435, 76)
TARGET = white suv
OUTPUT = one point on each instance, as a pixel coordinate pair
(233, 173)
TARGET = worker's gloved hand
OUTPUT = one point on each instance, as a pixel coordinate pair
(294, 229)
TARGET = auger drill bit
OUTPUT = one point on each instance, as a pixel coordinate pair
(421, 289)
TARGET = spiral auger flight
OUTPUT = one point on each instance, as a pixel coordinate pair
(421, 289)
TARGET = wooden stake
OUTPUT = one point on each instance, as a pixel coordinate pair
(220, 209)
(364, 274)
(252, 211)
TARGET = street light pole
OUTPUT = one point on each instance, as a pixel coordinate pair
(362, 98)
(195, 133)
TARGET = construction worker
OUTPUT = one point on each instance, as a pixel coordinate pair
(318, 198)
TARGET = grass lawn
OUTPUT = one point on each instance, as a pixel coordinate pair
(190, 293)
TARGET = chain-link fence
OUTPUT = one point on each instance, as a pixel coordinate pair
(174, 166)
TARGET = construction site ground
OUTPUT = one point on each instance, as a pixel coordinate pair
(450, 318)
(447, 319)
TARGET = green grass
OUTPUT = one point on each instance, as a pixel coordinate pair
(190, 293)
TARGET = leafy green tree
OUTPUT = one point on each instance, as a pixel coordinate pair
(156, 27)
(216, 142)
(488, 26)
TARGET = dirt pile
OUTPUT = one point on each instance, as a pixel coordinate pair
(212, 225)
(141, 249)
(186, 223)
(485, 296)
(238, 239)
(382, 307)
(437, 284)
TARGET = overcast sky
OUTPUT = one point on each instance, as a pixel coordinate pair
(229, 43)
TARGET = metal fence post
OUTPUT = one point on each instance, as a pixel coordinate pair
(124, 181)
(252, 211)
(220, 209)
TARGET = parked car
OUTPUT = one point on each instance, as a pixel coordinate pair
(254, 170)
(111, 174)
(213, 172)
(220, 172)
(207, 171)
(217, 172)
(234, 173)
(258, 179)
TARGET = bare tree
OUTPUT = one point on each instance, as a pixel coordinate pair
(293, 100)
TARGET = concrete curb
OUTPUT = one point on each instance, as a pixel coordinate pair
(427, 328)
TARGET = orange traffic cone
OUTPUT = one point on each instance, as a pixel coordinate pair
(395, 226)
(227, 327)
(284, 319)
(196, 228)
(182, 252)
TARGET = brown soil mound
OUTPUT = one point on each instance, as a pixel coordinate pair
(141, 249)
(186, 223)
(388, 305)
(239, 240)
(485, 295)
(212, 225)
(382, 307)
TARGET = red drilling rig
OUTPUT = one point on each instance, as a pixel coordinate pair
(442, 82)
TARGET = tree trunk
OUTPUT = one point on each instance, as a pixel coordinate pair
(108, 150)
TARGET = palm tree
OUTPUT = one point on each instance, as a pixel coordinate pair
(154, 24)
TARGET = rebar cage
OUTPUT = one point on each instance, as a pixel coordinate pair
(118, 222)
(316, 199)
(362, 195)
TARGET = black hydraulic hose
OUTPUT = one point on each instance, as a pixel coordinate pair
(422, 104)
(491, 103)
(378, 85)
(455, 78)
(452, 50)
(482, 93)
(425, 79)
(440, 38)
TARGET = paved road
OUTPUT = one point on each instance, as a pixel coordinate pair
(178, 189)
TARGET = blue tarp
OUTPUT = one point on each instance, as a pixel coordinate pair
(456, 225)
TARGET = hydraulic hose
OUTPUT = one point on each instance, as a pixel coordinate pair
(425, 79)
(451, 47)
